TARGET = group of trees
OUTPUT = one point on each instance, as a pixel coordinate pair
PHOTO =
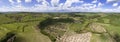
(10, 37)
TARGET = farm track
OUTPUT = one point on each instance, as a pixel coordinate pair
(38, 37)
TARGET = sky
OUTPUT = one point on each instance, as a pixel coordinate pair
(59, 5)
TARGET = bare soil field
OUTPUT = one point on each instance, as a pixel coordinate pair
(84, 37)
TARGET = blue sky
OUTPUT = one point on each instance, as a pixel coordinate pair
(60, 5)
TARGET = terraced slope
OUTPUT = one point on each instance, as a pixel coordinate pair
(83, 37)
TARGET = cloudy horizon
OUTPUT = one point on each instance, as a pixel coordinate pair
(59, 5)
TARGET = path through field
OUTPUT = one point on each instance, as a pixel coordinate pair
(34, 36)
(40, 37)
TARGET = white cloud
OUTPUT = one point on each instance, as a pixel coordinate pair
(100, 4)
(115, 4)
(45, 6)
(111, 1)
(13, 9)
(19, 1)
(68, 3)
(41, 6)
(81, 1)
(95, 1)
(44, 2)
(54, 2)
(118, 7)
(39, 0)
(61, 4)
(86, 5)
(38, 8)
(11, 1)
(28, 0)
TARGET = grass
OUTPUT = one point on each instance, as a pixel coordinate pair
(30, 34)
(99, 38)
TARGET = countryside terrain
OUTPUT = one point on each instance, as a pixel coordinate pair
(59, 27)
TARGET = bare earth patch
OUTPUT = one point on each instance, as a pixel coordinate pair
(95, 27)
(83, 37)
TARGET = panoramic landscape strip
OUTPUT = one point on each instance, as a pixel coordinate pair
(59, 27)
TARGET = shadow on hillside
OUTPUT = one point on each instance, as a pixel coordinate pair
(51, 21)
(42, 25)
